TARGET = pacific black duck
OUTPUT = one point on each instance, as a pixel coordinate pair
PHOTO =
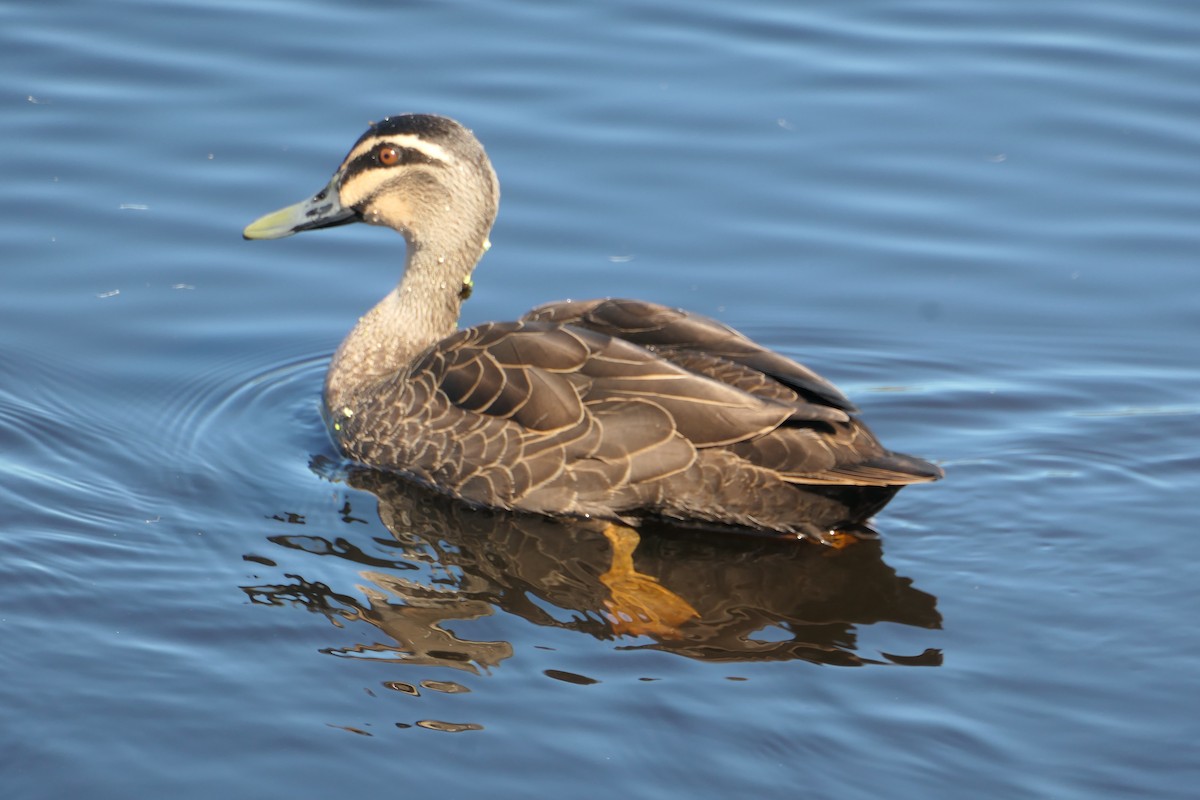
(616, 409)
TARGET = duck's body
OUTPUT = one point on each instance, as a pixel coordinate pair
(605, 408)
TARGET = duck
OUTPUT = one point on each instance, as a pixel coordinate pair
(607, 409)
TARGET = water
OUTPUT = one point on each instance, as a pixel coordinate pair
(978, 220)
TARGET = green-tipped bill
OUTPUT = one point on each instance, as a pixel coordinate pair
(322, 210)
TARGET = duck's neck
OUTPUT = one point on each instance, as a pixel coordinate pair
(421, 310)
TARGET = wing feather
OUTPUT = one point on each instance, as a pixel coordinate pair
(669, 330)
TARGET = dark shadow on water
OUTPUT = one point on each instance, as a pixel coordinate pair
(704, 595)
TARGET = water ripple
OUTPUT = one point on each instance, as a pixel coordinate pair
(235, 416)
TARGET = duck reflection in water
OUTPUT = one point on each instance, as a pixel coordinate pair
(708, 596)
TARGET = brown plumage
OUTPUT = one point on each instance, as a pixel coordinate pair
(618, 409)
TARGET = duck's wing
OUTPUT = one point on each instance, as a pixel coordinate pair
(820, 443)
(559, 419)
(548, 378)
(518, 407)
(698, 343)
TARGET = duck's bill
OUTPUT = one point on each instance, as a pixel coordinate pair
(322, 210)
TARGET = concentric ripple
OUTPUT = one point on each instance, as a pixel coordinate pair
(245, 414)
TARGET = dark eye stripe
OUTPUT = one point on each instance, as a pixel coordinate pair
(370, 159)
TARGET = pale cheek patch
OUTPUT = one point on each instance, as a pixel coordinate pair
(389, 209)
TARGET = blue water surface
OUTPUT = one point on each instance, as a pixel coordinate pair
(979, 220)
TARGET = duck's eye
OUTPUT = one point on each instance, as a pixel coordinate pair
(388, 156)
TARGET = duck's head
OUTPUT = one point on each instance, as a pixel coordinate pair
(426, 176)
